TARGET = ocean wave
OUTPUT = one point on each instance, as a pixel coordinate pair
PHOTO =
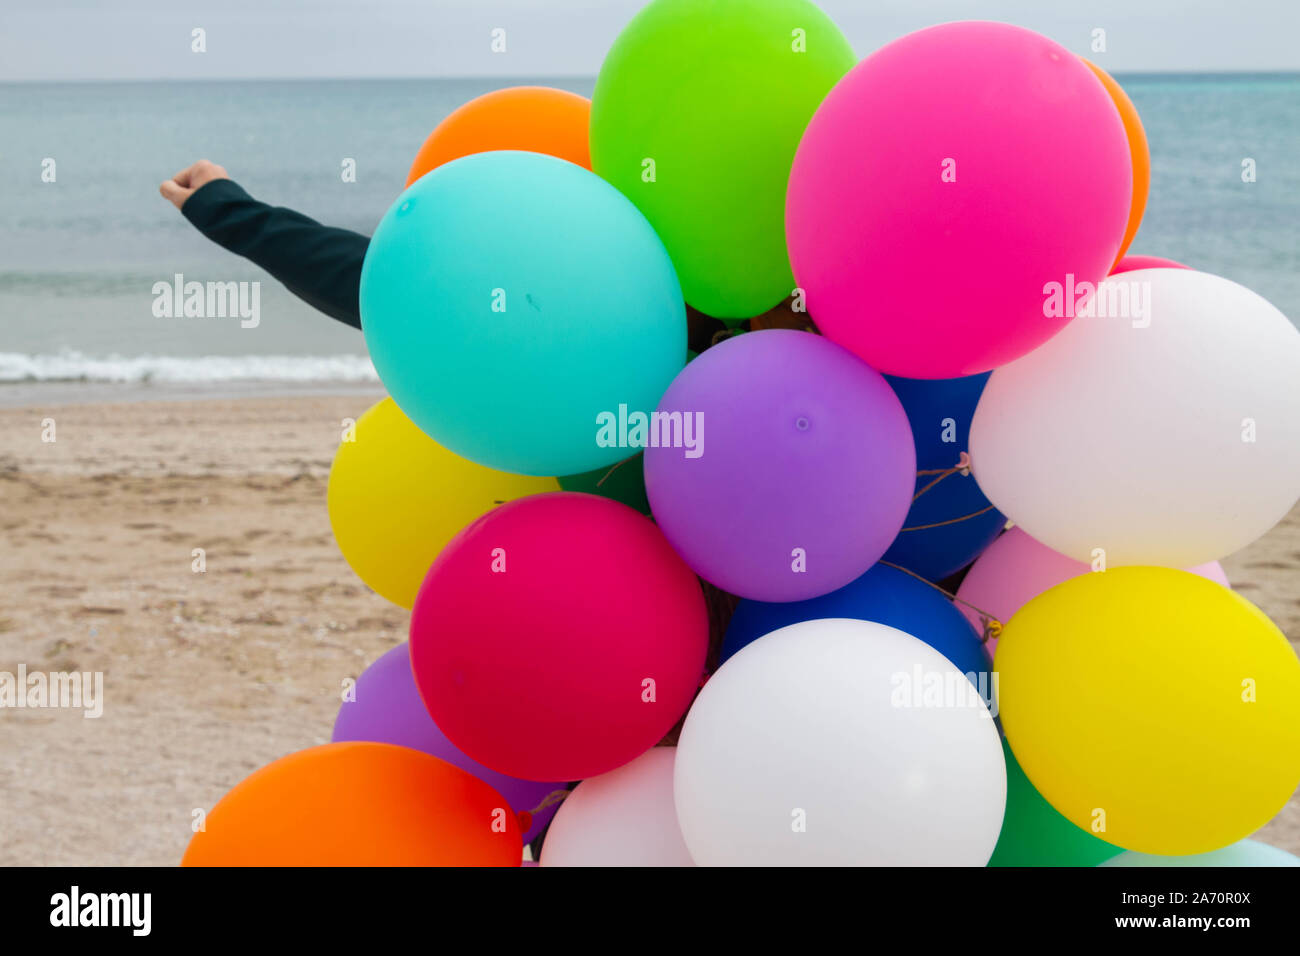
(139, 369)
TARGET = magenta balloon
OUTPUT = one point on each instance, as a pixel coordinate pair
(943, 183)
(804, 475)
(388, 710)
(1133, 263)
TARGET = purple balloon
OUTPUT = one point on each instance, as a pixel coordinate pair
(388, 710)
(804, 473)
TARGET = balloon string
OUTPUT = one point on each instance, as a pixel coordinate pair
(616, 467)
(963, 461)
(525, 817)
(550, 800)
(963, 466)
(992, 627)
(940, 524)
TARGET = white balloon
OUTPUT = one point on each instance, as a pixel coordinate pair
(1170, 438)
(813, 746)
(621, 818)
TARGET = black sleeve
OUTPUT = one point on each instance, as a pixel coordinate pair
(319, 264)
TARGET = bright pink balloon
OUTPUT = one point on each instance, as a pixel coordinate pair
(1133, 263)
(1015, 569)
(942, 184)
(558, 636)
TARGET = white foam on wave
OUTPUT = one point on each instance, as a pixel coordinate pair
(135, 369)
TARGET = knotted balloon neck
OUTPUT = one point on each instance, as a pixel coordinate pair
(551, 799)
(962, 467)
(991, 627)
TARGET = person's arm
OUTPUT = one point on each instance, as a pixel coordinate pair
(319, 264)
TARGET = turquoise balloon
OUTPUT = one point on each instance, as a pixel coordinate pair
(1241, 853)
(508, 299)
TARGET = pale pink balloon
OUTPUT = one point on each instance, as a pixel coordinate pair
(1015, 568)
(622, 818)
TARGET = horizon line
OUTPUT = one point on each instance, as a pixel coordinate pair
(516, 76)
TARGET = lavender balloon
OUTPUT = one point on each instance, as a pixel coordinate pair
(388, 710)
(798, 473)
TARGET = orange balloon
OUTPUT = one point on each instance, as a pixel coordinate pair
(1138, 149)
(536, 119)
(359, 804)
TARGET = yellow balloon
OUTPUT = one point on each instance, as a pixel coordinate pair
(1155, 703)
(396, 497)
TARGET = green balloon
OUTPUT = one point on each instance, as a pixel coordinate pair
(623, 482)
(696, 116)
(1035, 834)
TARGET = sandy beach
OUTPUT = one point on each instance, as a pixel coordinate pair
(210, 675)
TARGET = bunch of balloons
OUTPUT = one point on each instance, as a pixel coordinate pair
(947, 221)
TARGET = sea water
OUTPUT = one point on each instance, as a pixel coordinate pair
(80, 256)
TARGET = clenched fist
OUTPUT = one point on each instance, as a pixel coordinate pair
(181, 186)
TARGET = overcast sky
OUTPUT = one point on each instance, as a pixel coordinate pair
(147, 39)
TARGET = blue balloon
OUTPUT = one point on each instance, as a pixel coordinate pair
(511, 302)
(1241, 853)
(940, 412)
(885, 595)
